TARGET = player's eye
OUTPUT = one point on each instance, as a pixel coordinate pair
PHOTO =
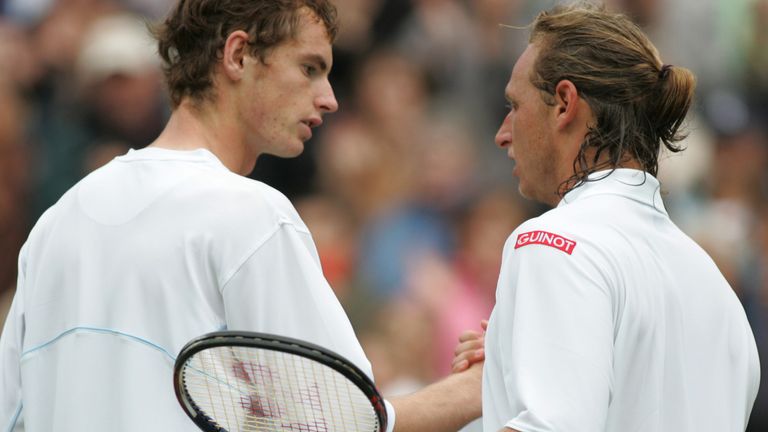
(309, 70)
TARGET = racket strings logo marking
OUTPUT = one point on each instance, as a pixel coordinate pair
(256, 406)
(253, 373)
(257, 376)
(310, 396)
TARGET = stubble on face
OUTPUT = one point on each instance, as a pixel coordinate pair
(536, 156)
(279, 100)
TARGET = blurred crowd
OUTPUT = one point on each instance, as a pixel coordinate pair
(407, 197)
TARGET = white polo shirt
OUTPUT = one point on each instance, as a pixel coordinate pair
(144, 254)
(609, 318)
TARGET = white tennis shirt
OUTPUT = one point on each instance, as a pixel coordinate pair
(609, 318)
(144, 254)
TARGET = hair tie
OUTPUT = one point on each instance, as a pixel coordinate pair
(664, 72)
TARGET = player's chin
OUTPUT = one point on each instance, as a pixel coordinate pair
(525, 190)
(294, 150)
(291, 146)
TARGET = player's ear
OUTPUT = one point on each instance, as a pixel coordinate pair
(566, 103)
(233, 55)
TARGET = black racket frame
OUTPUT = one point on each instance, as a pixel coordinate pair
(275, 343)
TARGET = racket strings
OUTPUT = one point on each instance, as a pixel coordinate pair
(251, 389)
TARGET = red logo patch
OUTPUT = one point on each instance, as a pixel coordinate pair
(546, 239)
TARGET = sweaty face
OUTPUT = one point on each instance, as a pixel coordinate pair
(282, 99)
(526, 134)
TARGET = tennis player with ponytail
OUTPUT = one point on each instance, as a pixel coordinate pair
(608, 317)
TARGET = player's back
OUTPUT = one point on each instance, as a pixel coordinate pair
(684, 357)
(119, 274)
(710, 365)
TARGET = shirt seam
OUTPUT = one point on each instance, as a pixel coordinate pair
(268, 236)
(192, 157)
(15, 418)
(515, 424)
(86, 329)
(202, 162)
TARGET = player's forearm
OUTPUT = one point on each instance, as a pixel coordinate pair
(446, 405)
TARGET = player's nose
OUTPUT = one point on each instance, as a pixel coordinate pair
(326, 102)
(504, 135)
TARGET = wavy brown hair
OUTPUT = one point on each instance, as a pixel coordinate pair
(192, 37)
(638, 102)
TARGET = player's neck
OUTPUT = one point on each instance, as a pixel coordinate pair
(194, 127)
(604, 161)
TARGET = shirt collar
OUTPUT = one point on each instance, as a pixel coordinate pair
(199, 155)
(634, 184)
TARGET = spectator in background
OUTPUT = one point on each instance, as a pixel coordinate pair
(118, 74)
(17, 69)
(736, 187)
(31, 11)
(14, 188)
(58, 135)
(731, 225)
(754, 278)
(757, 60)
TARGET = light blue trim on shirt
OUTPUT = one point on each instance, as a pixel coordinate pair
(91, 330)
(98, 330)
(118, 333)
(15, 418)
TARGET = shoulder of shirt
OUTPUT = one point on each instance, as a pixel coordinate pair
(569, 222)
(553, 220)
(43, 223)
(251, 196)
(231, 197)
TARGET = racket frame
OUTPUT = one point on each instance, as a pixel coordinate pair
(230, 338)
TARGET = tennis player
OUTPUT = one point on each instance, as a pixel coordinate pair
(169, 242)
(608, 317)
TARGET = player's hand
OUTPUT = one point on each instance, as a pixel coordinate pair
(470, 349)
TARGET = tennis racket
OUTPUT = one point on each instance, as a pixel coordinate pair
(234, 381)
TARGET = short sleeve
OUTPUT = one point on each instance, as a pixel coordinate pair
(280, 289)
